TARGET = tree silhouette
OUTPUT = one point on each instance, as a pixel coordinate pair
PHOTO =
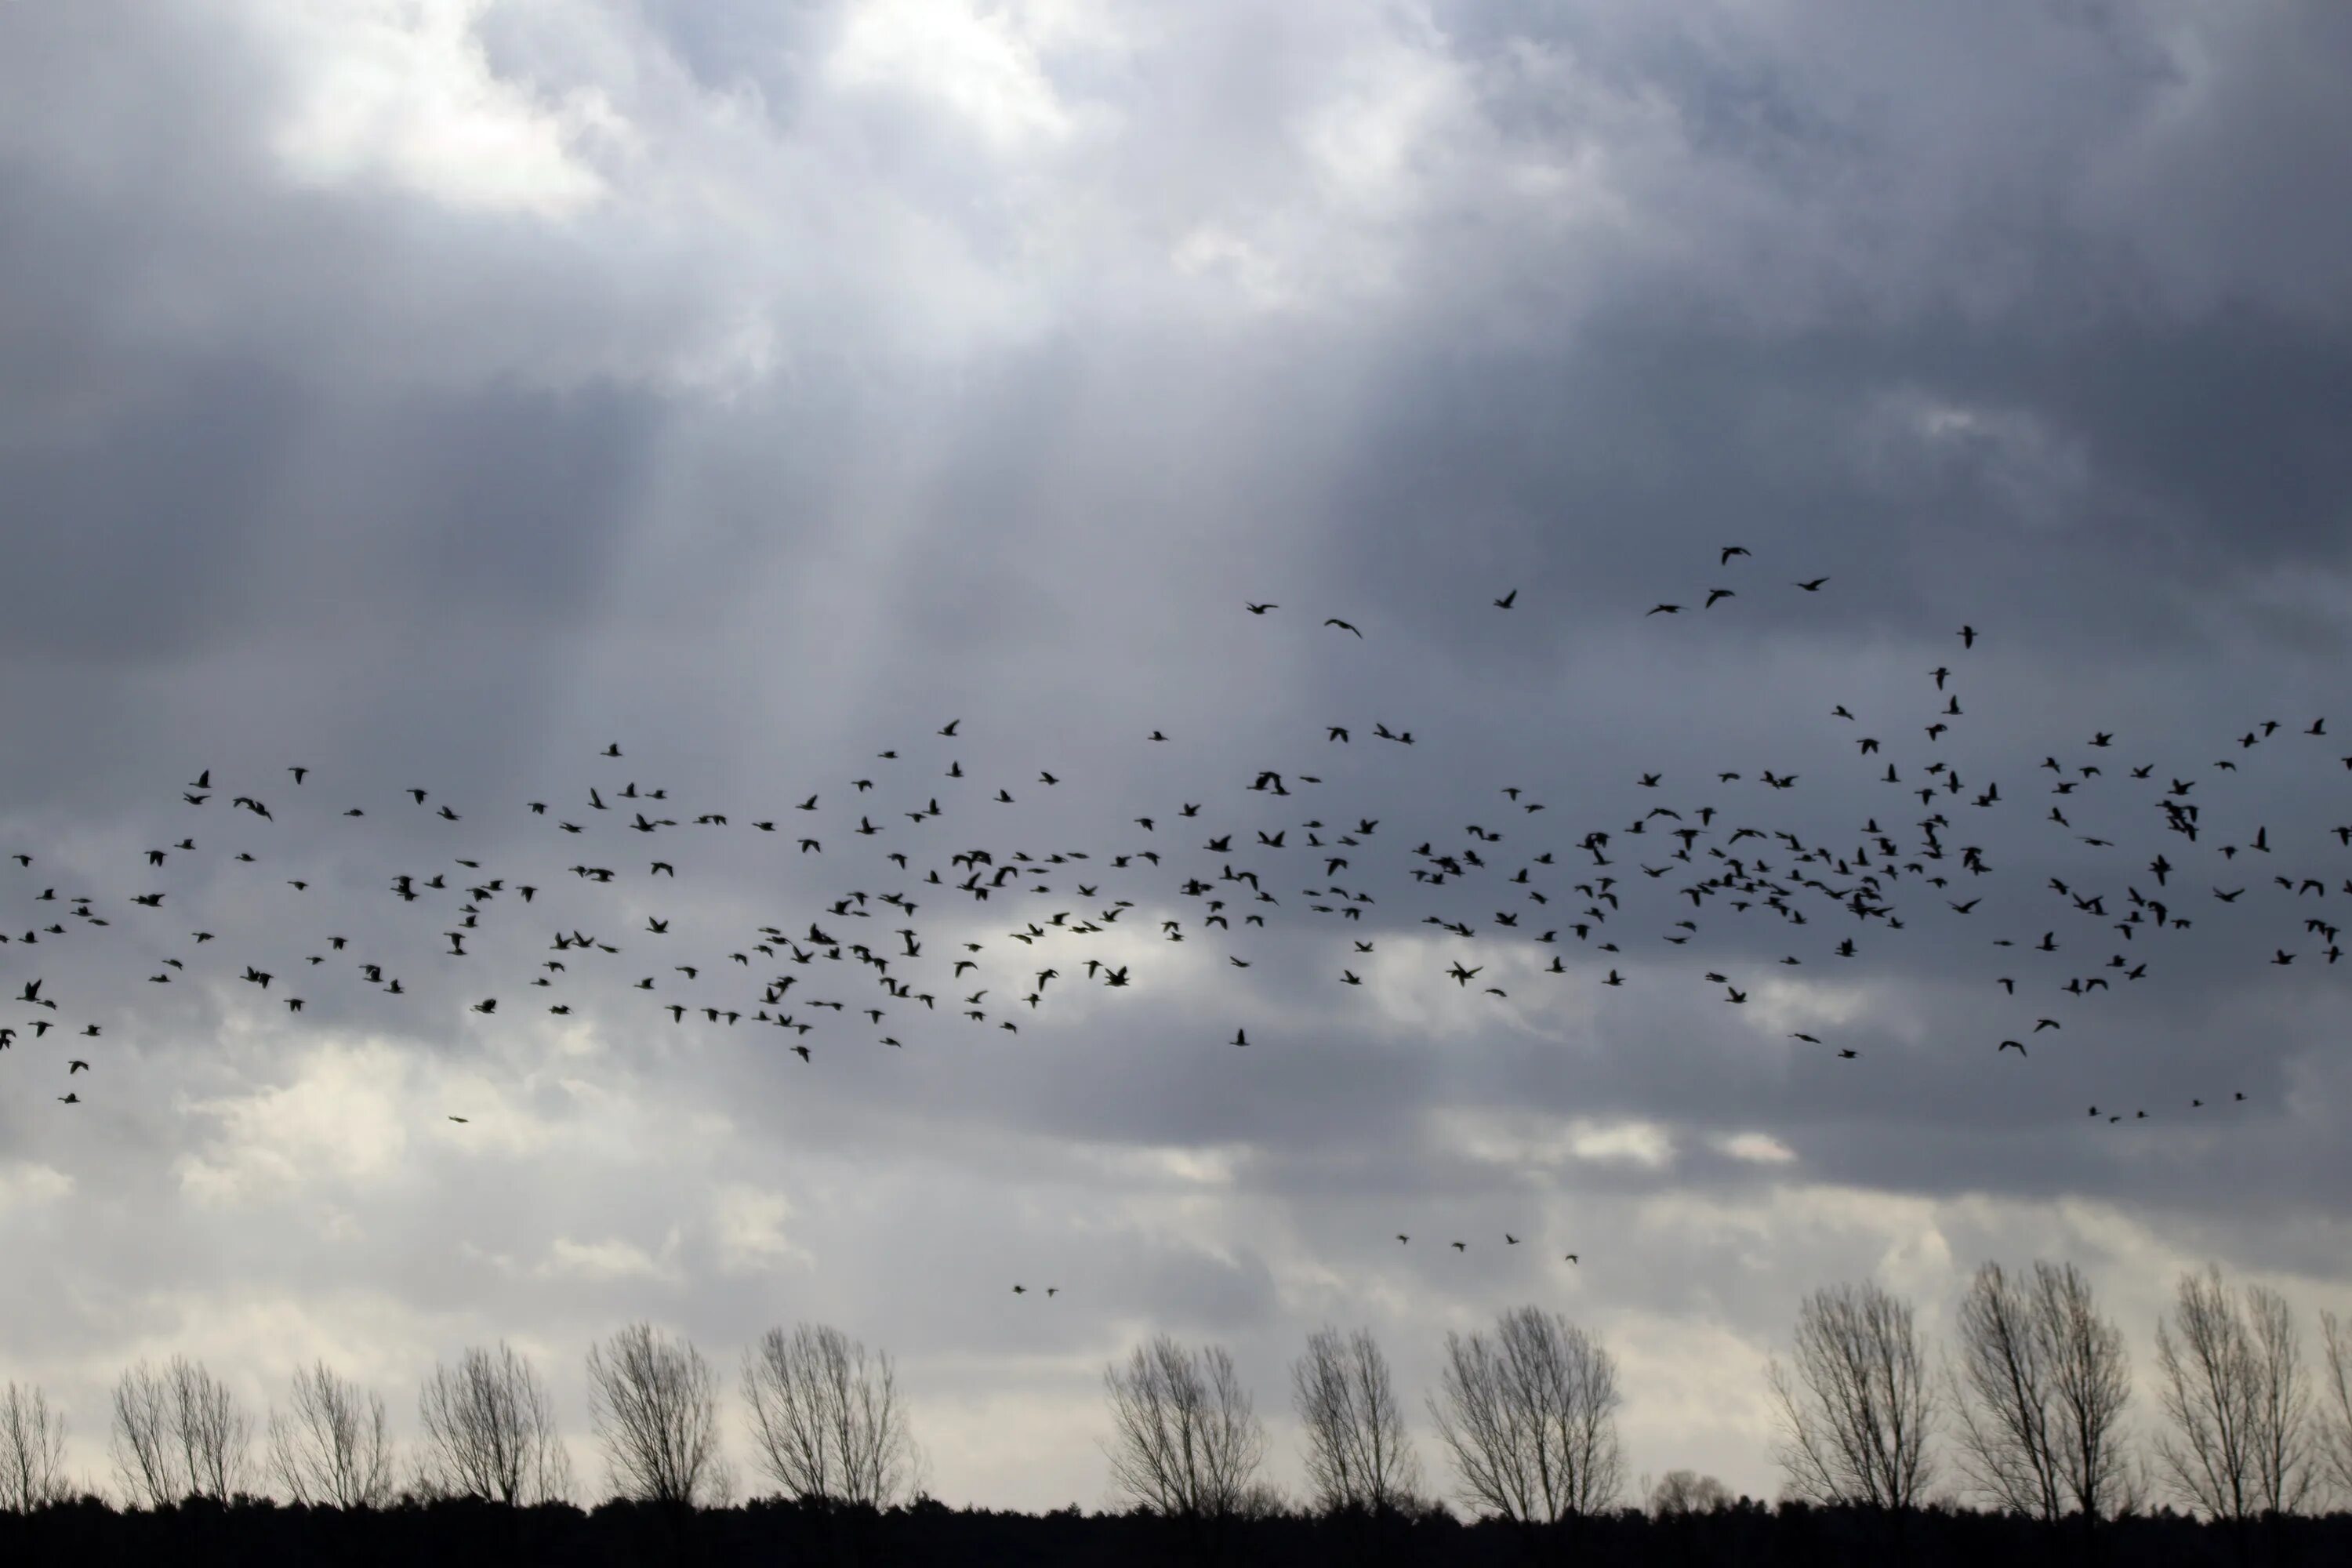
(826, 1419)
(1185, 1442)
(32, 1451)
(2039, 1395)
(490, 1432)
(1356, 1451)
(178, 1433)
(655, 1406)
(331, 1447)
(1857, 1412)
(2234, 1391)
(1529, 1417)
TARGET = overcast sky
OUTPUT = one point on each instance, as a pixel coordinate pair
(433, 393)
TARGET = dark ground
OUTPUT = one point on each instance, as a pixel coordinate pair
(1750, 1535)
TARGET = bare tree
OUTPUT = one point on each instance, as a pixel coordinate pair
(215, 1434)
(145, 1456)
(179, 1433)
(827, 1418)
(2238, 1401)
(2040, 1393)
(1529, 1416)
(1358, 1455)
(2334, 1419)
(1857, 1413)
(490, 1431)
(654, 1403)
(331, 1449)
(1185, 1441)
(32, 1451)
(1685, 1491)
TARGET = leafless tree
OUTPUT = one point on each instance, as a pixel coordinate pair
(1357, 1454)
(2235, 1392)
(179, 1433)
(2334, 1419)
(2039, 1391)
(32, 1451)
(145, 1456)
(1185, 1441)
(490, 1432)
(1858, 1410)
(331, 1449)
(654, 1403)
(215, 1434)
(1529, 1416)
(1685, 1491)
(826, 1419)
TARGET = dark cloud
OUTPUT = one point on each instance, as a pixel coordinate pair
(433, 408)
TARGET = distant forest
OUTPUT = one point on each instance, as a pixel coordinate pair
(1745, 1532)
(1883, 1446)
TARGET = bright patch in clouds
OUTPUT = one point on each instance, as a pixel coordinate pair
(974, 62)
(750, 1225)
(1532, 1142)
(339, 1117)
(26, 1185)
(611, 1259)
(403, 90)
(1758, 1148)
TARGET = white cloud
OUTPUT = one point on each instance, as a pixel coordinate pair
(610, 1258)
(403, 89)
(974, 62)
(26, 1184)
(1757, 1148)
(749, 1224)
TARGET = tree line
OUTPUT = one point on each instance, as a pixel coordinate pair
(2028, 1412)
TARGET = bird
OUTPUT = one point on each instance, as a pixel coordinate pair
(1259, 609)
(1343, 626)
(1507, 600)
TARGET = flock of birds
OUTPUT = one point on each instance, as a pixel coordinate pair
(831, 980)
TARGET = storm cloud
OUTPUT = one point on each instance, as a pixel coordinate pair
(430, 393)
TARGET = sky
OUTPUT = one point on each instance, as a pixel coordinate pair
(433, 393)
